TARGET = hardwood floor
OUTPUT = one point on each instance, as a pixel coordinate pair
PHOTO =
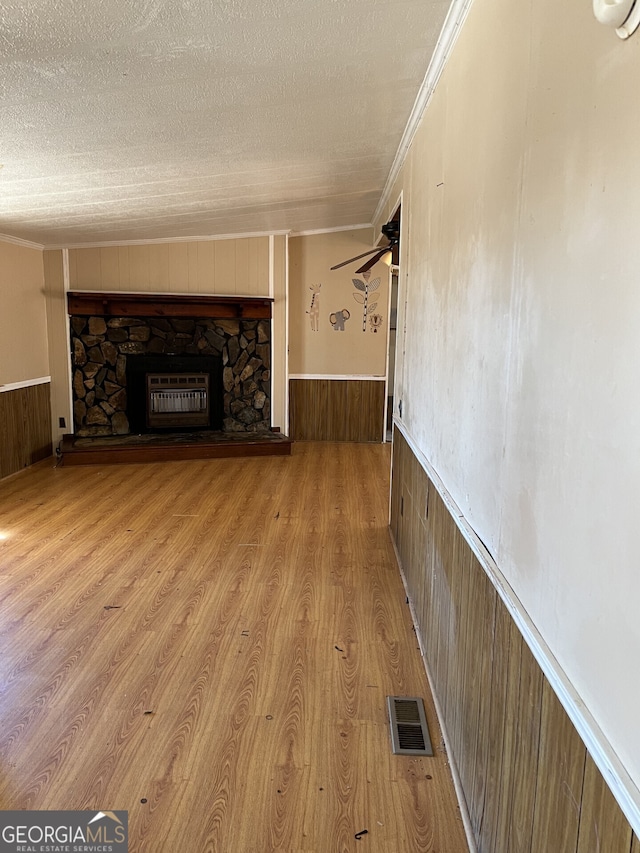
(209, 644)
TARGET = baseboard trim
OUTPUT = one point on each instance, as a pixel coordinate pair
(613, 771)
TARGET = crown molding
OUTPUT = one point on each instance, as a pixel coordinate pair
(335, 230)
(160, 240)
(18, 241)
(451, 28)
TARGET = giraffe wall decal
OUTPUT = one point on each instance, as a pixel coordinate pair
(314, 308)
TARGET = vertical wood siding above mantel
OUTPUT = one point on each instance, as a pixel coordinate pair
(529, 784)
(234, 266)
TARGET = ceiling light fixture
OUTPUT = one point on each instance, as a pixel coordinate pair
(623, 15)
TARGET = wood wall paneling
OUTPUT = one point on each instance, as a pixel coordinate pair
(527, 779)
(11, 448)
(438, 603)
(205, 266)
(25, 427)
(85, 269)
(232, 267)
(561, 764)
(525, 704)
(603, 827)
(179, 278)
(445, 586)
(458, 650)
(158, 269)
(225, 262)
(422, 550)
(502, 790)
(110, 267)
(243, 264)
(397, 460)
(336, 409)
(497, 778)
(37, 422)
(124, 267)
(139, 267)
(482, 685)
(397, 497)
(421, 556)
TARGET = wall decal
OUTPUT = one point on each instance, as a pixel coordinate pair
(338, 319)
(376, 322)
(362, 296)
(314, 308)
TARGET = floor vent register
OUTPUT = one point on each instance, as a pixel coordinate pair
(409, 731)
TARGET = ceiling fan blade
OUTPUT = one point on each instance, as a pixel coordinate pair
(374, 260)
(357, 258)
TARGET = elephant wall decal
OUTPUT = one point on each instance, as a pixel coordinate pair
(338, 319)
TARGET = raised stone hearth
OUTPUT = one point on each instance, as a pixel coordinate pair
(152, 447)
(102, 345)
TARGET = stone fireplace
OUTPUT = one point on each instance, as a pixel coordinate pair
(152, 364)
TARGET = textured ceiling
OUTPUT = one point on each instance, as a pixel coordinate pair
(146, 119)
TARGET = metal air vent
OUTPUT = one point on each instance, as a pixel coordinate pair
(409, 731)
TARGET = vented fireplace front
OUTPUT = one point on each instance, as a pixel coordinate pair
(174, 392)
(177, 399)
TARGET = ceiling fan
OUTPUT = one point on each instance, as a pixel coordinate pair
(392, 232)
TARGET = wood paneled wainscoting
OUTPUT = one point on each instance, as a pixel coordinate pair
(25, 427)
(336, 409)
(529, 784)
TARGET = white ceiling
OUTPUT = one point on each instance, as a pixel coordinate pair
(146, 119)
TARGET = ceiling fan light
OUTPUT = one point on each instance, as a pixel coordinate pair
(391, 230)
(631, 24)
(623, 15)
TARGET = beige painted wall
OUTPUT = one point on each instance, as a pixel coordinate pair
(222, 267)
(520, 258)
(23, 324)
(326, 351)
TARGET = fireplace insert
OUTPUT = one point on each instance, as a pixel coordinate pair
(174, 393)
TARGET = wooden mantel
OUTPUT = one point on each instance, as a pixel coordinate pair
(168, 305)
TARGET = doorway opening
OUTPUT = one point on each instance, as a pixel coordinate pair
(394, 271)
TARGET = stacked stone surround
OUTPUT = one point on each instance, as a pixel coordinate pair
(100, 347)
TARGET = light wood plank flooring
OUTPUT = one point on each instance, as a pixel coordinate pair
(209, 645)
